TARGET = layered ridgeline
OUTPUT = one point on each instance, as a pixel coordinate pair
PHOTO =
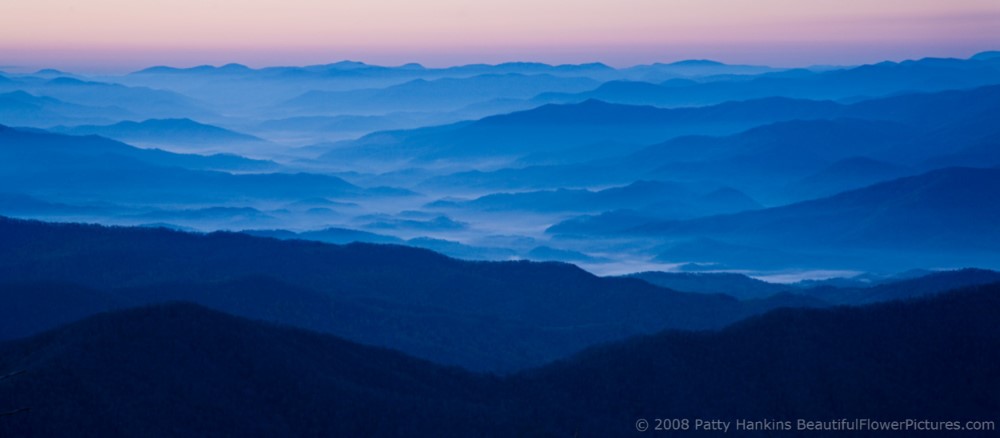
(65, 168)
(930, 359)
(439, 94)
(590, 129)
(274, 86)
(693, 82)
(21, 108)
(775, 149)
(30, 147)
(417, 95)
(859, 290)
(185, 133)
(946, 216)
(881, 79)
(496, 316)
(663, 198)
(110, 101)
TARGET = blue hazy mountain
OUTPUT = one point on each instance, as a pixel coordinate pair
(687, 68)
(438, 94)
(882, 79)
(360, 68)
(639, 194)
(231, 215)
(536, 177)
(692, 68)
(697, 254)
(960, 115)
(846, 174)
(736, 285)
(37, 149)
(329, 235)
(52, 72)
(531, 313)
(548, 253)
(185, 132)
(593, 69)
(264, 90)
(923, 285)
(357, 73)
(905, 123)
(19, 108)
(763, 161)
(235, 369)
(987, 55)
(21, 205)
(317, 129)
(903, 286)
(978, 137)
(56, 166)
(464, 251)
(232, 69)
(932, 210)
(332, 123)
(438, 223)
(766, 159)
(553, 128)
(929, 218)
(450, 248)
(665, 198)
(922, 131)
(142, 101)
(962, 110)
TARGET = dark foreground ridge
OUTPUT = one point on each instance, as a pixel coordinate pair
(488, 316)
(183, 370)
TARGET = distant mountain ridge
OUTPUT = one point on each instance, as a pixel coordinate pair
(933, 217)
(767, 161)
(873, 80)
(60, 148)
(737, 285)
(553, 128)
(141, 101)
(92, 168)
(162, 131)
(688, 68)
(444, 93)
(562, 127)
(663, 198)
(21, 108)
(934, 209)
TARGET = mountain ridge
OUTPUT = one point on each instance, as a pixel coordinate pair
(869, 362)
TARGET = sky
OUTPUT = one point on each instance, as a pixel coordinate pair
(123, 35)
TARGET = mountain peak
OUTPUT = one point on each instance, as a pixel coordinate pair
(156, 69)
(50, 72)
(987, 55)
(346, 65)
(17, 94)
(234, 67)
(172, 121)
(696, 62)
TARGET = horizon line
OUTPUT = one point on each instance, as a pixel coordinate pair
(256, 66)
